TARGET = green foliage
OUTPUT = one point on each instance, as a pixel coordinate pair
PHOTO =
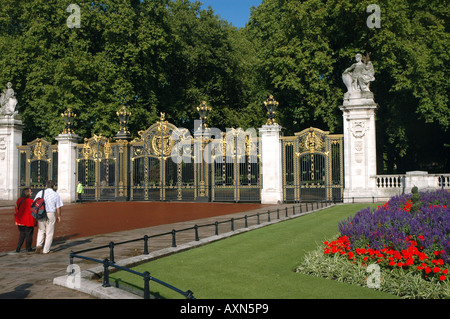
(154, 56)
(170, 55)
(415, 198)
(306, 45)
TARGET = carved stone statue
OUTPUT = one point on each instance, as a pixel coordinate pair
(357, 78)
(8, 102)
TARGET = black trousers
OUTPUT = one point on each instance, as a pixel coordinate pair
(25, 234)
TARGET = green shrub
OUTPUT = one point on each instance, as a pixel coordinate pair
(415, 198)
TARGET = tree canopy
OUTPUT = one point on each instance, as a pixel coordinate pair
(153, 56)
(170, 55)
(306, 45)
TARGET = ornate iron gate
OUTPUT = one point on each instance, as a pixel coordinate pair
(166, 163)
(313, 166)
(38, 163)
(162, 164)
(235, 169)
(102, 168)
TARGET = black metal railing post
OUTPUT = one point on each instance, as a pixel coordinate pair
(146, 285)
(268, 216)
(174, 241)
(145, 245)
(232, 224)
(189, 295)
(106, 273)
(111, 252)
(196, 232)
(246, 222)
(257, 218)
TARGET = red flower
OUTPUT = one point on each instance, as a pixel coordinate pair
(442, 278)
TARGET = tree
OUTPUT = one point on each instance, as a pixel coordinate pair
(304, 47)
(152, 56)
(212, 61)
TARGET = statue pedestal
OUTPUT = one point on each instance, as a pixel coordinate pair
(272, 181)
(10, 138)
(358, 98)
(360, 159)
(67, 161)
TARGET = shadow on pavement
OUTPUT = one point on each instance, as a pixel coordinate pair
(20, 292)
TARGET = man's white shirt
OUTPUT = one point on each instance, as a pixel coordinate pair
(52, 200)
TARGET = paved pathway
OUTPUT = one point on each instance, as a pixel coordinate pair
(29, 275)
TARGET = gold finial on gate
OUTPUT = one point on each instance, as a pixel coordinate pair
(124, 117)
(68, 116)
(203, 111)
(271, 106)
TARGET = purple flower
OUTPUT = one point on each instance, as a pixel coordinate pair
(391, 226)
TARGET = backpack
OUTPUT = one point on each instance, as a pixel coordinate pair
(38, 208)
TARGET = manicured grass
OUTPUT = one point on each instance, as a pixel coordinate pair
(259, 264)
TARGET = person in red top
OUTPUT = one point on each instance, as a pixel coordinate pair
(24, 220)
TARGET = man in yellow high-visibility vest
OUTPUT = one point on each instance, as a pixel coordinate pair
(80, 190)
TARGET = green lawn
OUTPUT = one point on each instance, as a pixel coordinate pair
(258, 264)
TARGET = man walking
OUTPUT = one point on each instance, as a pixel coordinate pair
(46, 227)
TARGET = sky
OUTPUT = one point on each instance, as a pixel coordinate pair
(236, 12)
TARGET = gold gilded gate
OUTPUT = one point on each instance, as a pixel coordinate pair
(169, 164)
(236, 167)
(166, 163)
(162, 164)
(313, 166)
(38, 162)
(102, 168)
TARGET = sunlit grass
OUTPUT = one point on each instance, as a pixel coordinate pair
(259, 264)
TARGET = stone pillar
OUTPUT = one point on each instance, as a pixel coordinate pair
(271, 165)
(360, 159)
(10, 138)
(67, 166)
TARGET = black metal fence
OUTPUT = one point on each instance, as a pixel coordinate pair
(145, 275)
(260, 218)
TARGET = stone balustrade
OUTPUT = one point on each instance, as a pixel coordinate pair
(391, 185)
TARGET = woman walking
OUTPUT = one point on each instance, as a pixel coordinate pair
(24, 220)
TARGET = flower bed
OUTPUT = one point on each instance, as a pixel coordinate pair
(410, 234)
(396, 236)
